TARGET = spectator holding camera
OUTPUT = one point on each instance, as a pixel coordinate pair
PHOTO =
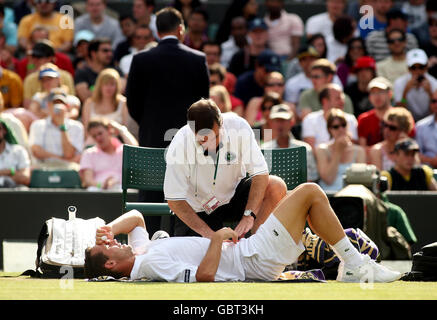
(56, 141)
(414, 89)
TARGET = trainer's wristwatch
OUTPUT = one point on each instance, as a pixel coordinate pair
(249, 212)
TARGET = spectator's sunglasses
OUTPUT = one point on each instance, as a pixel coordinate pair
(45, 1)
(393, 40)
(274, 84)
(337, 126)
(418, 67)
(390, 126)
(433, 100)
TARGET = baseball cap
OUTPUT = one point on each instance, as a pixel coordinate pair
(407, 144)
(307, 51)
(380, 83)
(42, 49)
(281, 111)
(58, 94)
(83, 35)
(416, 56)
(363, 63)
(269, 60)
(257, 23)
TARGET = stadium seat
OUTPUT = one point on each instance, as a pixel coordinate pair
(144, 169)
(46, 178)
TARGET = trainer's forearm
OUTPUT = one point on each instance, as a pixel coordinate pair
(127, 222)
(257, 191)
(183, 211)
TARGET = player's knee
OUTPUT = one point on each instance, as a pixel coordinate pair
(276, 187)
(312, 189)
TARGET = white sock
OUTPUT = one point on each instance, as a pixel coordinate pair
(347, 253)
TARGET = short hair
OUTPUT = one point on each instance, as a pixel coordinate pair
(404, 35)
(95, 44)
(95, 265)
(402, 117)
(98, 122)
(168, 20)
(325, 93)
(325, 65)
(123, 17)
(343, 27)
(211, 43)
(218, 69)
(203, 114)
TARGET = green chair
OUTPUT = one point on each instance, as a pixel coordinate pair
(143, 169)
(51, 178)
(290, 164)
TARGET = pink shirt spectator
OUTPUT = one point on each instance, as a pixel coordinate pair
(281, 30)
(103, 164)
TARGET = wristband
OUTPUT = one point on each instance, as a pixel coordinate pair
(404, 101)
(12, 171)
(99, 185)
(62, 127)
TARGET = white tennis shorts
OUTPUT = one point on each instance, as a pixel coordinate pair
(269, 250)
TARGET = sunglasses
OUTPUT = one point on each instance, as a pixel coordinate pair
(418, 67)
(337, 126)
(274, 84)
(106, 50)
(316, 76)
(45, 1)
(391, 41)
(390, 126)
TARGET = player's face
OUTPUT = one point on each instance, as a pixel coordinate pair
(115, 251)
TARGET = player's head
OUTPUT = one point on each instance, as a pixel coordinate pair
(114, 260)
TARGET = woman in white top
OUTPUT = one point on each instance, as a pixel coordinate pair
(106, 101)
(397, 123)
(334, 157)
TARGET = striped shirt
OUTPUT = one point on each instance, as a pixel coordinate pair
(377, 47)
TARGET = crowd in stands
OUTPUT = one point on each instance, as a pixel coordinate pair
(347, 92)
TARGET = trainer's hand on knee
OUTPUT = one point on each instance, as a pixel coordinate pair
(244, 226)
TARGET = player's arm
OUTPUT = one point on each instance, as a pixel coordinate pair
(122, 225)
(209, 265)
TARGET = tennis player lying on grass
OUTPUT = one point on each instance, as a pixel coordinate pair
(262, 256)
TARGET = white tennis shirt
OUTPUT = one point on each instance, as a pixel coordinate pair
(190, 175)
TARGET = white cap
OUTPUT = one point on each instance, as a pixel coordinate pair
(416, 56)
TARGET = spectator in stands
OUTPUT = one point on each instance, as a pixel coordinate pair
(334, 157)
(396, 125)
(415, 11)
(355, 50)
(380, 19)
(97, 21)
(275, 83)
(323, 22)
(322, 73)
(14, 159)
(251, 83)
(414, 89)
(101, 165)
(186, 8)
(42, 53)
(316, 41)
(282, 120)
(49, 78)
(395, 65)
(364, 71)
(431, 47)
(422, 31)
(9, 29)
(61, 28)
(376, 42)
(405, 174)
(212, 51)
(127, 25)
(100, 57)
(343, 30)
(7, 58)
(197, 34)
(106, 100)
(220, 95)
(11, 88)
(142, 40)
(369, 122)
(244, 60)
(56, 141)
(142, 11)
(82, 40)
(301, 81)
(21, 9)
(263, 130)
(238, 40)
(248, 9)
(426, 135)
(285, 30)
(314, 128)
(218, 76)
(15, 124)
(32, 62)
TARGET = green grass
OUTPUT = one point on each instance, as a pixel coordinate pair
(25, 288)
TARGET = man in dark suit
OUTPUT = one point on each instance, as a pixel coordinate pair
(162, 83)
